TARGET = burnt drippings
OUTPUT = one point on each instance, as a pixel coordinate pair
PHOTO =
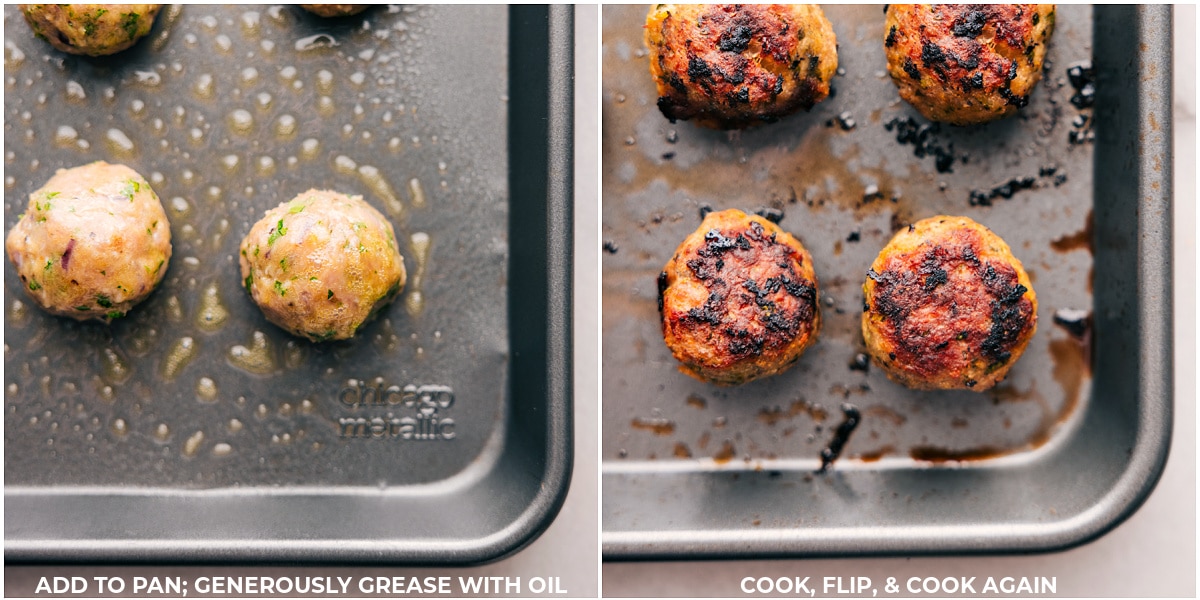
(1082, 77)
(923, 138)
(1076, 322)
(610, 247)
(662, 289)
(860, 362)
(849, 423)
(770, 213)
(1008, 189)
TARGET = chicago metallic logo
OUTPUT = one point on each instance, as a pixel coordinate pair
(421, 411)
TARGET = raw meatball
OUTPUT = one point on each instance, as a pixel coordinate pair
(91, 29)
(947, 306)
(322, 264)
(334, 10)
(967, 63)
(738, 300)
(93, 242)
(730, 66)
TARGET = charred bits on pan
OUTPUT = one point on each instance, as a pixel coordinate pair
(738, 300)
(729, 66)
(966, 64)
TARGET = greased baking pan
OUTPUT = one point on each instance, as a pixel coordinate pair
(193, 429)
(1061, 452)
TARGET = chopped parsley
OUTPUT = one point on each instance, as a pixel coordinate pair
(279, 288)
(296, 209)
(49, 265)
(249, 280)
(130, 24)
(103, 301)
(277, 232)
(83, 308)
(34, 285)
(329, 296)
(115, 314)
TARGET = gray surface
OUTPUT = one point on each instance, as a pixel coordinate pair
(83, 439)
(1150, 555)
(663, 494)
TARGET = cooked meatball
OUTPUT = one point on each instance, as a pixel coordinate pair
(322, 264)
(967, 63)
(93, 242)
(91, 29)
(334, 10)
(730, 66)
(947, 306)
(738, 300)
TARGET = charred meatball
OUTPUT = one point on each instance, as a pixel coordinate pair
(947, 306)
(93, 242)
(967, 63)
(322, 264)
(334, 10)
(91, 29)
(738, 300)
(730, 66)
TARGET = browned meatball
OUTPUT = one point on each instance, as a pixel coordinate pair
(93, 242)
(967, 63)
(730, 66)
(947, 306)
(91, 29)
(335, 10)
(738, 300)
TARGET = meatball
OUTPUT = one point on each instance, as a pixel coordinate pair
(335, 10)
(967, 63)
(91, 29)
(947, 306)
(731, 66)
(322, 264)
(93, 242)
(738, 300)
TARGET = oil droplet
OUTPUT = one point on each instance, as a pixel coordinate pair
(204, 88)
(212, 315)
(285, 409)
(193, 443)
(149, 79)
(325, 105)
(319, 41)
(395, 145)
(230, 162)
(358, 78)
(414, 302)
(287, 73)
(222, 449)
(120, 428)
(114, 368)
(181, 353)
(285, 127)
(324, 82)
(162, 432)
(137, 108)
(180, 206)
(65, 135)
(345, 165)
(13, 57)
(263, 100)
(417, 192)
(119, 143)
(294, 355)
(196, 135)
(261, 412)
(235, 425)
(257, 358)
(250, 22)
(249, 76)
(169, 18)
(306, 407)
(265, 165)
(241, 121)
(309, 148)
(207, 389)
(75, 92)
(376, 182)
(223, 43)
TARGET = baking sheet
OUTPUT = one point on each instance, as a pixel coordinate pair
(231, 110)
(692, 469)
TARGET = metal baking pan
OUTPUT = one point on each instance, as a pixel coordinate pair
(441, 433)
(1066, 448)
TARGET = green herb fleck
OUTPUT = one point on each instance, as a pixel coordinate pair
(34, 286)
(115, 314)
(130, 24)
(329, 295)
(256, 249)
(276, 233)
(103, 301)
(249, 280)
(83, 308)
(296, 209)
(279, 288)
(50, 195)
(129, 189)
(49, 265)
(283, 264)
